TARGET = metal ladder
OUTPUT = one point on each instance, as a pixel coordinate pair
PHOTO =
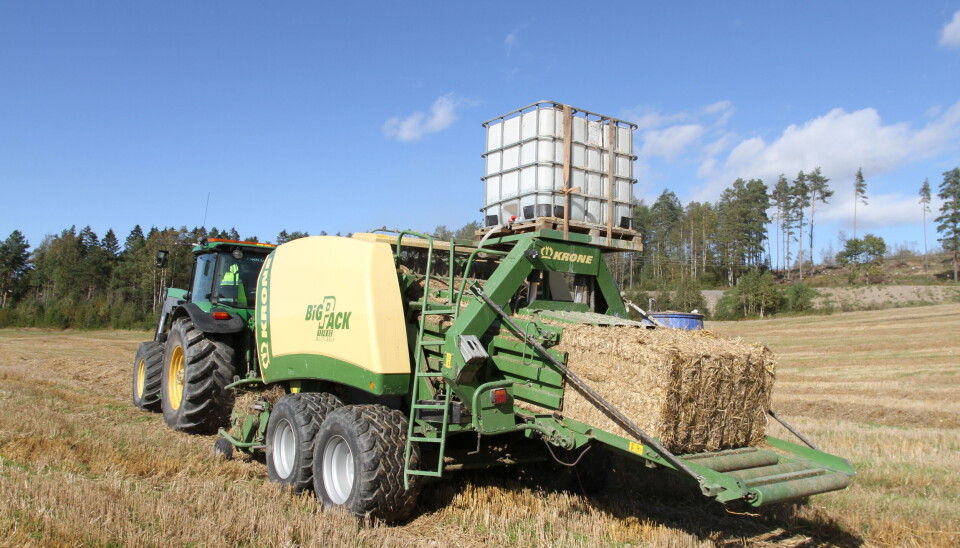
(423, 376)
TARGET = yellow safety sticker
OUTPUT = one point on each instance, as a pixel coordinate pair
(449, 360)
(636, 448)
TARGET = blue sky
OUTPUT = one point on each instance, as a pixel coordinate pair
(348, 116)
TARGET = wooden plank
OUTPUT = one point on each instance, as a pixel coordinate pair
(611, 164)
(567, 161)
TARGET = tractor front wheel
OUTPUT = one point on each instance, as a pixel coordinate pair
(358, 463)
(147, 370)
(291, 433)
(196, 369)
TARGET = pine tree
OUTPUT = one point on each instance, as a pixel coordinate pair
(134, 240)
(949, 218)
(664, 221)
(14, 266)
(781, 199)
(819, 191)
(859, 195)
(741, 226)
(800, 199)
(925, 207)
(110, 243)
(297, 234)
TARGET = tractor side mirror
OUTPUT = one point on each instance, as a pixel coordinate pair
(162, 255)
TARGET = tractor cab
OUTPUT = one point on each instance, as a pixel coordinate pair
(223, 286)
(226, 274)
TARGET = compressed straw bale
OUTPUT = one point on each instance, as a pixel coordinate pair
(693, 390)
(243, 404)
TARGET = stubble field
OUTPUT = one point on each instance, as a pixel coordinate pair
(80, 466)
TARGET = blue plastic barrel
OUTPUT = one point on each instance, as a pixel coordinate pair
(679, 320)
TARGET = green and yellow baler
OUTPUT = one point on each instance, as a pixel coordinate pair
(392, 350)
(375, 362)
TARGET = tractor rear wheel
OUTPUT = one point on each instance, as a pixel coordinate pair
(196, 368)
(358, 463)
(291, 433)
(147, 370)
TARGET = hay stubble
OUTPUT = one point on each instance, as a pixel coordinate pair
(80, 466)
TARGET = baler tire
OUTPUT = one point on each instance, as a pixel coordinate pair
(300, 416)
(359, 461)
(147, 370)
(197, 367)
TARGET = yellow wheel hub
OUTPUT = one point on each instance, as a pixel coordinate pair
(141, 377)
(175, 378)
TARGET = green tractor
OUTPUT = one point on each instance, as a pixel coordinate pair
(203, 340)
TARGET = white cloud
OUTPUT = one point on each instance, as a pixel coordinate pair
(950, 35)
(670, 142)
(840, 142)
(510, 42)
(669, 135)
(723, 110)
(882, 210)
(413, 127)
(648, 118)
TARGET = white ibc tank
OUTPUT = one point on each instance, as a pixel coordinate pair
(525, 166)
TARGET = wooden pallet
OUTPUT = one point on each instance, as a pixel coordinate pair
(621, 239)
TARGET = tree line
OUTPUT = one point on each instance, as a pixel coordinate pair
(754, 227)
(78, 279)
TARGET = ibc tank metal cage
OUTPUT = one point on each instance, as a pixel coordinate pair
(553, 160)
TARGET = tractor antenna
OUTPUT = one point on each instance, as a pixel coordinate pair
(204, 225)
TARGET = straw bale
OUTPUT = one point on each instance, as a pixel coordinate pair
(693, 390)
(244, 402)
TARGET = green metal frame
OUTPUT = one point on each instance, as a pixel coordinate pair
(757, 476)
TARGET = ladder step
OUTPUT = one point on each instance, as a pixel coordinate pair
(423, 473)
(429, 374)
(432, 308)
(419, 439)
(438, 310)
(431, 343)
(436, 406)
